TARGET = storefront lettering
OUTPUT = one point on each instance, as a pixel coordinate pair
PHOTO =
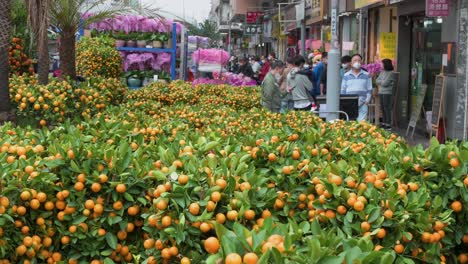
(437, 8)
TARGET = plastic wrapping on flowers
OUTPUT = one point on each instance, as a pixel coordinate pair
(211, 56)
(373, 68)
(134, 23)
(226, 78)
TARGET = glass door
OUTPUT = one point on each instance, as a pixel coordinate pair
(426, 57)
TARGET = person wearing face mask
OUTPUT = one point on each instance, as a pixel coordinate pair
(345, 65)
(287, 102)
(271, 93)
(300, 86)
(358, 82)
(264, 70)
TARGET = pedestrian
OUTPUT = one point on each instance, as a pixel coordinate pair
(271, 57)
(256, 67)
(385, 81)
(264, 70)
(323, 78)
(233, 64)
(358, 82)
(287, 102)
(271, 93)
(345, 65)
(300, 86)
(245, 68)
(318, 70)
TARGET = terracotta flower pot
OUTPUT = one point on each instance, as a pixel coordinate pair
(141, 43)
(131, 43)
(119, 43)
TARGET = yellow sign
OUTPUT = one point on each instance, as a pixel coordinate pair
(363, 3)
(387, 45)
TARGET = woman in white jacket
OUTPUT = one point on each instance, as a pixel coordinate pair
(300, 86)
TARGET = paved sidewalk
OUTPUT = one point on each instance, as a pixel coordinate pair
(418, 138)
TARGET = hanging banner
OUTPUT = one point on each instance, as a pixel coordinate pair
(387, 45)
(348, 45)
(254, 17)
(363, 3)
(437, 8)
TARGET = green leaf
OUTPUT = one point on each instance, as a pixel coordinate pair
(128, 197)
(108, 261)
(315, 227)
(331, 260)
(374, 214)
(107, 252)
(111, 240)
(352, 254)
(80, 219)
(213, 259)
(387, 258)
(265, 258)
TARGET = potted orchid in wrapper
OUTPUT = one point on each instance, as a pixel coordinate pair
(131, 42)
(373, 69)
(164, 38)
(141, 40)
(156, 40)
(120, 39)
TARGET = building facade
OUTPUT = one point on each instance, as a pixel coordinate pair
(425, 39)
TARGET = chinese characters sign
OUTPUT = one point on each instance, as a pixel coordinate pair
(387, 45)
(253, 29)
(253, 17)
(437, 8)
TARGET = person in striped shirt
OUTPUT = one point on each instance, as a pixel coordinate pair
(358, 82)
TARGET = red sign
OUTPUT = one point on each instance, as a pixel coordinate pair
(252, 17)
(437, 8)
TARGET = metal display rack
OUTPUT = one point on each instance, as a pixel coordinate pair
(172, 50)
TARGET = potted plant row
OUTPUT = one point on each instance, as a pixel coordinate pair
(136, 79)
(140, 40)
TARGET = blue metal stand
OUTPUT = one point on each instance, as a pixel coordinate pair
(172, 50)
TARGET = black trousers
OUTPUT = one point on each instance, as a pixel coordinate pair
(386, 106)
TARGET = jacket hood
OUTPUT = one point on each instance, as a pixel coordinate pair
(293, 72)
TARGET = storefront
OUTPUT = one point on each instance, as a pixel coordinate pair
(419, 61)
(349, 28)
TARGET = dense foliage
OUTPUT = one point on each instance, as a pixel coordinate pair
(19, 61)
(52, 103)
(98, 57)
(203, 175)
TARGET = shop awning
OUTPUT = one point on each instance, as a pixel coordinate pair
(364, 3)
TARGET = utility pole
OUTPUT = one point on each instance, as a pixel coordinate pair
(229, 34)
(333, 70)
(303, 41)
(303, 29)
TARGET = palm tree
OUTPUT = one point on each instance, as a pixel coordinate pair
(5, 32)
(39, 20)
(65, 15)
(208, 28)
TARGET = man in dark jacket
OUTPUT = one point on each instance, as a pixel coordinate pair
(245, 68)
(271, 93)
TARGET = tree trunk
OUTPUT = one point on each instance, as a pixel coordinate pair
(38, 11)
(67, 53)
(5, 31)
(43, 58)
